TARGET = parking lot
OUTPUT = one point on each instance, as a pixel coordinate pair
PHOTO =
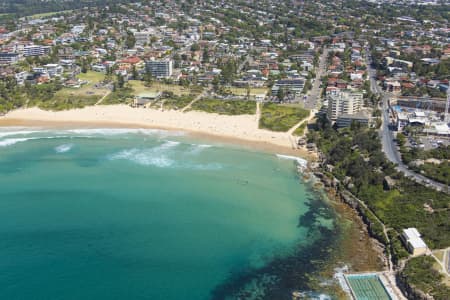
(427, 142)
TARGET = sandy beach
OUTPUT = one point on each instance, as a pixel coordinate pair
(242, 129)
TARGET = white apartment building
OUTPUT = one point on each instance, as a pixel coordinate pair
(8, 58)
(142, 37)
(343, 102)
(160, 68)
(36, 50)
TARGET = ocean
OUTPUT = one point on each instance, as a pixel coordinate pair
(109, 213)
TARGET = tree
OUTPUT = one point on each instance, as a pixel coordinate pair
(195, 47)
(120, 81)
(281, 94)
(130, 40)
(148, 77)
(134, 73)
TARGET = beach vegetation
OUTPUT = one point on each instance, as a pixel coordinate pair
(225, 107)
(157, 86)
(356, 153)
(300, 130)
(279, 117)
(419, 272)
(176, 102)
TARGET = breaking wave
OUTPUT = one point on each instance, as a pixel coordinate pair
(300, 161)
(198, 148)
(122, 131)
(63, 148)
(12, 141)
(156, 156)
(12, 133)
(159, 156)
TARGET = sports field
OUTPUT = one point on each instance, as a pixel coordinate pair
(367, 287)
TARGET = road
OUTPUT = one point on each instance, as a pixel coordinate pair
(389, 146)
(313, 97)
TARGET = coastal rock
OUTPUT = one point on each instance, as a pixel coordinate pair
(410, 291)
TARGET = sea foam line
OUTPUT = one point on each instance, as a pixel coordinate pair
(303, 163)
(12, 141)
(22, 132)
(122, 131)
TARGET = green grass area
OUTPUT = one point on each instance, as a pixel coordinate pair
(92, 77)
(243, 91)
(175, 102)
(225, 107)
(122, 96)
(139, 87)
(300, 130)
(277, 117)
(367, 287)
(64, 102)
(68, 97)
(419, 272)
(48, 14)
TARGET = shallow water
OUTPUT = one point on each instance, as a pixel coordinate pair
(150, 214)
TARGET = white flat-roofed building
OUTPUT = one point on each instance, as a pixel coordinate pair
(54, 70)
(142, 37)
(343, 103)
(8, 58)
(160, 68)
(294, 86)
(413, 241)
(36, 50)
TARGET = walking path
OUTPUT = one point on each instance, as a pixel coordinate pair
(258, 113)
(199, 96)
(103, 98)
(290, 132)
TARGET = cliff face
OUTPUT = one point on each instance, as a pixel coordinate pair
(410, 291)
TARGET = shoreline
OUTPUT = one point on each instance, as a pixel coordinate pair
(241, 130)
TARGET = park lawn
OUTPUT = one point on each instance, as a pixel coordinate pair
(92, 77)
(279, 117)
(48, 14)
(139, 87)
(243, 91)
(225, 107)
(68, 97)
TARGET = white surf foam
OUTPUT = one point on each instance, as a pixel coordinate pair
(12, 133)
(159, 156)
(300, 161)
(122, 131)
(143, 157)
(198, 148)
(12, 141)
(63, 148)
(156, 156)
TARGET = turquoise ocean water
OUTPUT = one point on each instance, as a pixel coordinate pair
(150, 214)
